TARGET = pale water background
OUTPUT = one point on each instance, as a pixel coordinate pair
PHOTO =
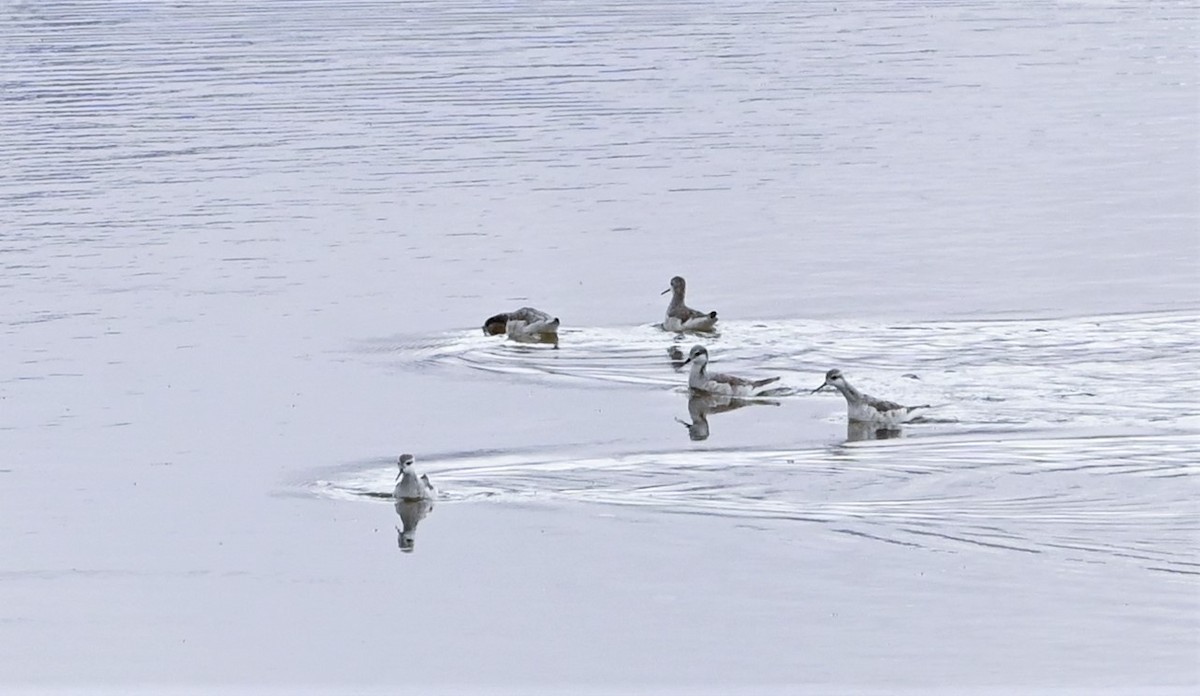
(245, 249)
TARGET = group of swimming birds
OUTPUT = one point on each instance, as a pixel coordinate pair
(532, 325)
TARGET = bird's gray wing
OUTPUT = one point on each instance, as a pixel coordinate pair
(730, 380)
(883, 406)
(684, 313)
(529, 314)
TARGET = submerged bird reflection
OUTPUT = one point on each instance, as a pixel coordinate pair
(857, 431)
(411, 513)
(537, 339)
(677, 357)
(700, 406)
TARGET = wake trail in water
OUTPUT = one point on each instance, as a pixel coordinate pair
(1091, 372)
(1045, 437)
(1130, 498)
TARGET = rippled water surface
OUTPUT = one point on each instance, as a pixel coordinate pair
(245, 250)
(1042, 436)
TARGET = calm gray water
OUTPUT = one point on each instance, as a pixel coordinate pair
(245, 250)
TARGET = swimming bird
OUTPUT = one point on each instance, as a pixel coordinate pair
(681, 317)
(865, 408)
(715, 383)
(410, 486)
(524, 324)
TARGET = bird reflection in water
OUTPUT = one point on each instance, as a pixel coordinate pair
(539, 339)
(856, 431)
(700, 406)
(677, 357)
(411, 513)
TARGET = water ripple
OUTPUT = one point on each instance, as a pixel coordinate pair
(1101, 373)
(1094, 498)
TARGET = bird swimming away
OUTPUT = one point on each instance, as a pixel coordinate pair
(702, 380)
(410, 486)
(524, 324)
(680, 317)
(865, 408)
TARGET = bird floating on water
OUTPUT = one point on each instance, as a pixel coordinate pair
(680, 317)
(410, 486)
(864, 408)
(715, 383)
(525, 324)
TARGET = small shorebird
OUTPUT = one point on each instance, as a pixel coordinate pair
(864, 408)
(715, 383)
(681, 317)
(410, 486)
(524, 324)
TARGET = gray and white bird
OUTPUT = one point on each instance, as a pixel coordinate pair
(864, 408)
(681, 317)
(525, 324)
(411, 486)
(701, 380)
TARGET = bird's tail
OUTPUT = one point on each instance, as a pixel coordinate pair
(764, 382)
